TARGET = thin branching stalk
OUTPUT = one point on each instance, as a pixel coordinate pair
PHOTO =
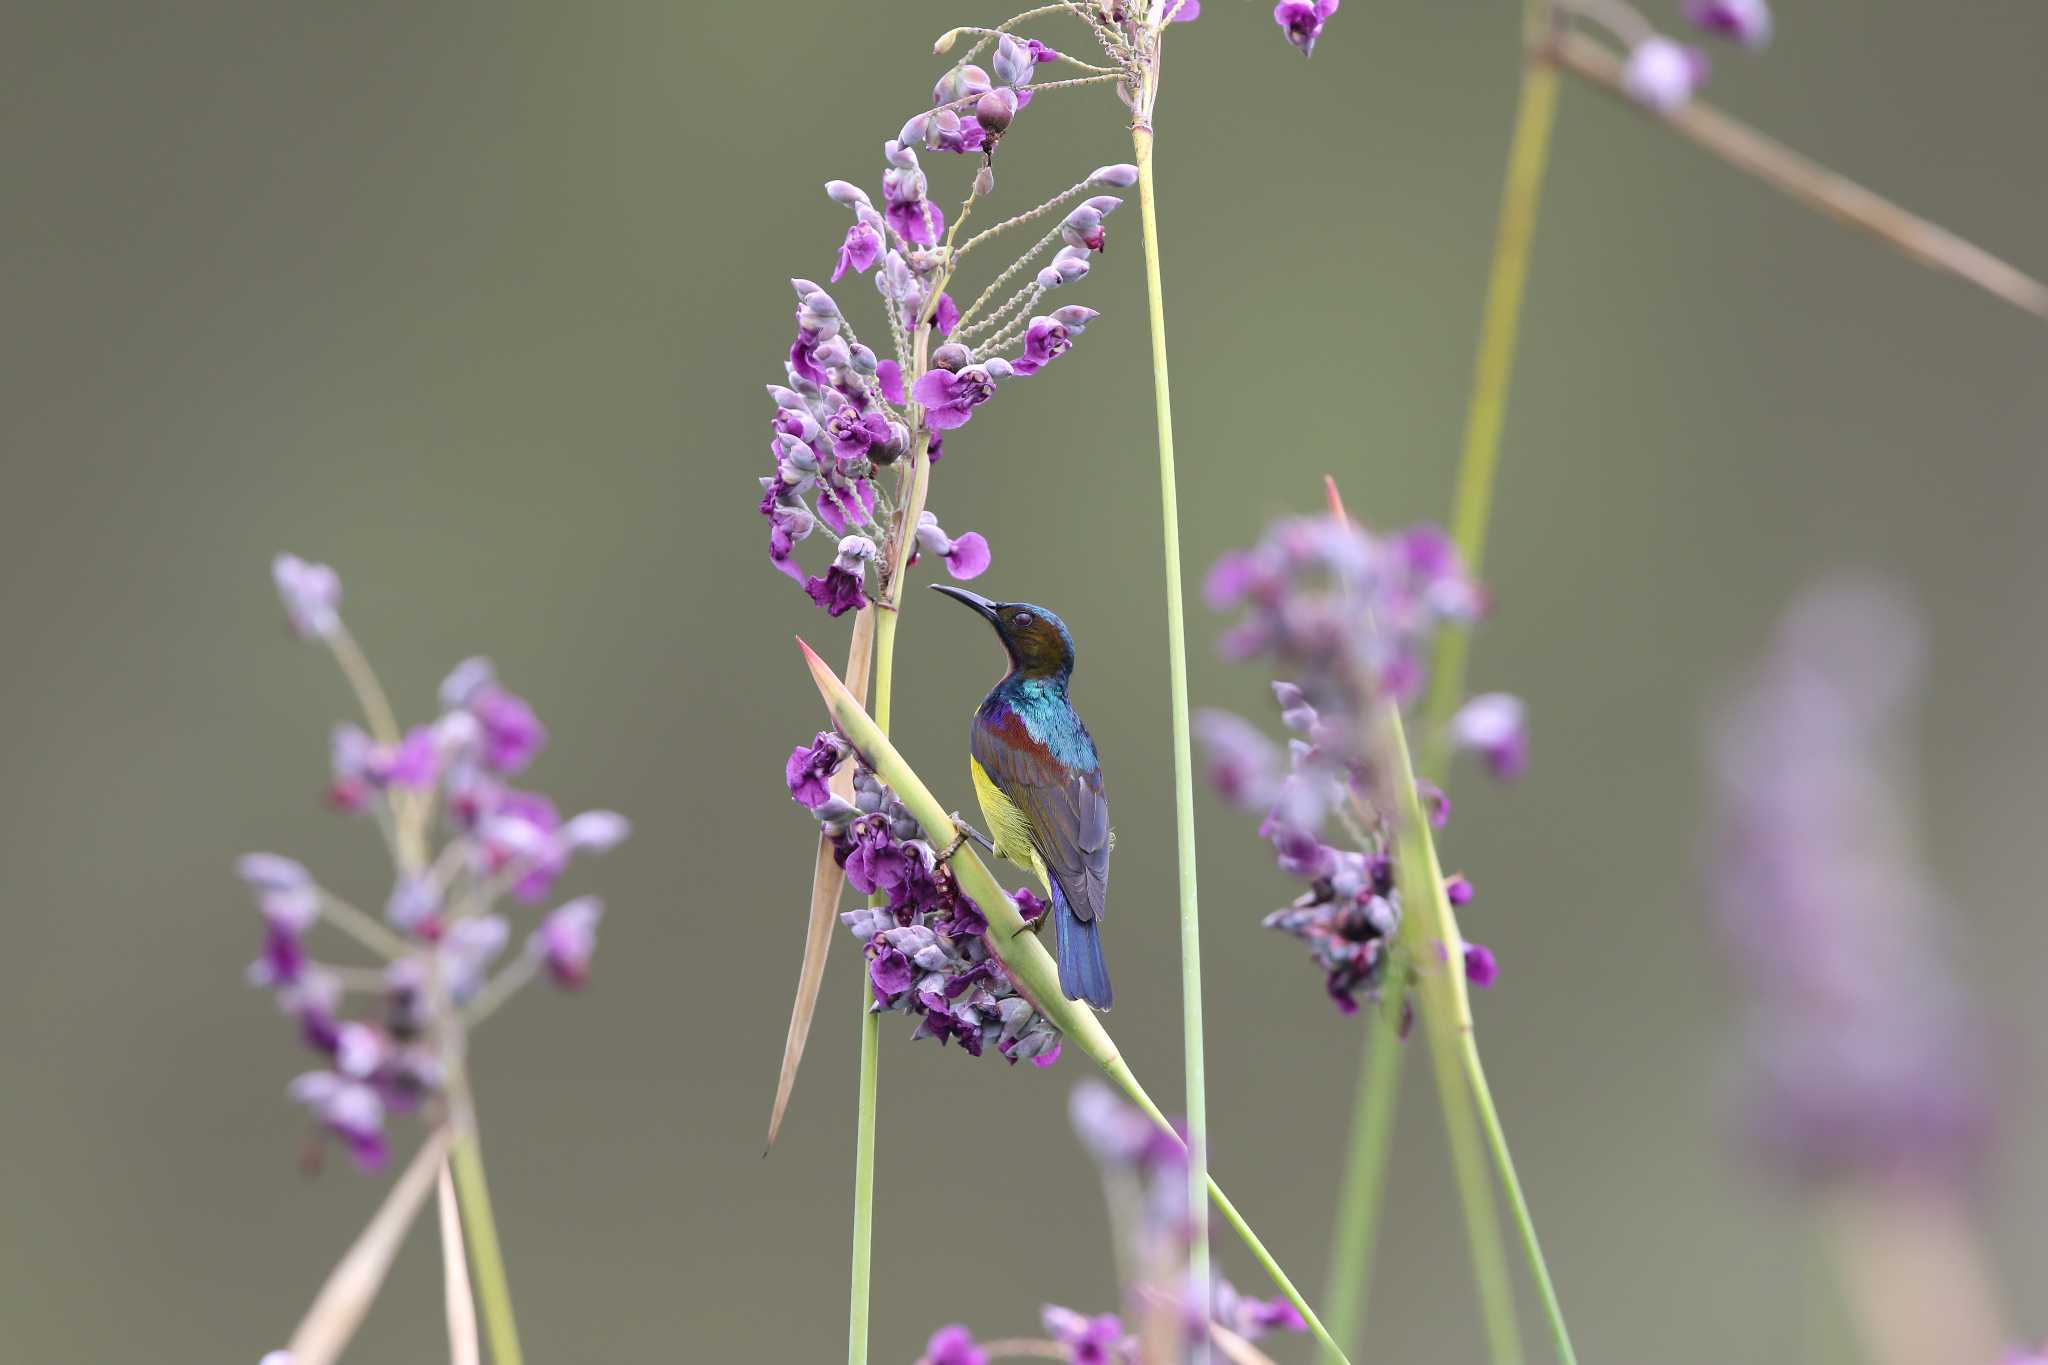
(1183, 754)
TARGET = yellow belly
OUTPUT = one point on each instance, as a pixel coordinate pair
(1007, 825)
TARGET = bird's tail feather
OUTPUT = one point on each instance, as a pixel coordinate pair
(1083, 973)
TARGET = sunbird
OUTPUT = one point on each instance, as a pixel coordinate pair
(1040, 785)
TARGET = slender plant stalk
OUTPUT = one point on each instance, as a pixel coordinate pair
(864, 1183)
(1183, 755)
(1365, 1175)
(493, 1291)
(1492, 376)
(1429, 928)
(887, 612)
(1491, 1275)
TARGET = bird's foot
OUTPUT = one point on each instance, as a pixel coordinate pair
(1035, 926)
(962, 832)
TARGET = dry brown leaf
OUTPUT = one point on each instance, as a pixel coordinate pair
(828, 883)
(463, 1347)
(353, 1283)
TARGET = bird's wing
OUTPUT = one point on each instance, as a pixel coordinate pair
(1068, 811)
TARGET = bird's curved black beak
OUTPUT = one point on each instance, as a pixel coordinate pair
(973, 600)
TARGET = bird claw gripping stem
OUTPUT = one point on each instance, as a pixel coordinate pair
(962, 832)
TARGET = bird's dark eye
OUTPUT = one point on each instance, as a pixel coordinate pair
(1022, 618)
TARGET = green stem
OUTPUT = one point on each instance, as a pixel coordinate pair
(864, 1182)
(1183, 755)
(1490, 1273)
(887, 613)
(1492, 375)
(493, 1292)
(1365, 1174)
(1497, 1138)
(1429, 932)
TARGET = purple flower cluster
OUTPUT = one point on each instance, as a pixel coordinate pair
(844, 413)
(1145, 1171)
(925, 944)
(383, 1031)
(1863, 1054)
(1351, 618)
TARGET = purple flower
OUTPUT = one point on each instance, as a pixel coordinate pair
(889, 375)
(467, 951)
(811, 766)
(1480, 968)
(311, 594)
(1083, 228)
(843, 588)
(1661, 75)
(1495, 726)
(1747, 22)
(1302, 21)
(853, 432)
(521, 835)
(950, 397)
(913, 217)
(1043, 341)
(1183, 12)
(788, 524)
(859, 252)
(891, 973)
(1088, 1341)
(965, 557)
(1244, 765)
(567, 939)
(946, 316)
(359, 761)
(349, 1109)
(953, 1345)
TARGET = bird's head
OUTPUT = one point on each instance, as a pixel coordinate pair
(1037, 641)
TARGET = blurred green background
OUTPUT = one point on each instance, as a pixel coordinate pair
(475, 302)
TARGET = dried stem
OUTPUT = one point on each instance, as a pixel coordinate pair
(1810, 183)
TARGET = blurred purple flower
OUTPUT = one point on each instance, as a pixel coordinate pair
(1661, 75)
(1495, 726)
(1864, 1054)
(1302, 21)
(311, 594)
(1747, 22)
(567, 939)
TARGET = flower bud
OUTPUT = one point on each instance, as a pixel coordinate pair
(951, 356)
(864, 361)
(964, 81)
(831, 353)
(841, 192)
(994, 111)
(1120, 176)
(1074, 317)
(984, 182)
(1013, 62)
(897, 152)
(1661, 75)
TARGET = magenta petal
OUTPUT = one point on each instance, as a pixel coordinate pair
(890, 376)
(968, 557)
